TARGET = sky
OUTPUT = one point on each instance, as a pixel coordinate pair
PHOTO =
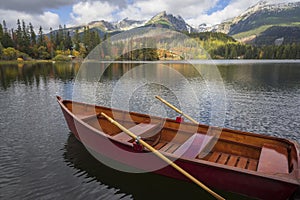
(52, 13)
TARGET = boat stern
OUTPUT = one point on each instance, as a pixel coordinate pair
(297, 161)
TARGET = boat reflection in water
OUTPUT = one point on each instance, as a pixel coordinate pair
(132, 185)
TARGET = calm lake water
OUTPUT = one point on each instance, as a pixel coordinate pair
(40, 159)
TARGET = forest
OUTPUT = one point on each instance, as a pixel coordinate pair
(25, 43)
(61, 44)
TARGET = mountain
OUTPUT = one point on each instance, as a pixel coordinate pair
(170, 21)
(103, 25)
(162, 19)
(261, 24)
(264, 21)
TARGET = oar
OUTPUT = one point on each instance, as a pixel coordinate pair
(176, 109)
(157, 153)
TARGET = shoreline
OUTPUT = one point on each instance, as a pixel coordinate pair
(207, 61)
(24, 62)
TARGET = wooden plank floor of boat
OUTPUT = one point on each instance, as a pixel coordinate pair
(233, 160)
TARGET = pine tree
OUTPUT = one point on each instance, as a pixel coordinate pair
(1, 32)
(94, 40)
(286, 52)
(107, 45)
(18, 38)
(68, 41)
(233, 52)
(87, 38)
(32, 35)
(25, 42)
(76, 40)
(7, 39)
(41, 40)
(227, 50)
(59, 40)
(4, 26)
(293, 52)
(1, 49)
(52, 42)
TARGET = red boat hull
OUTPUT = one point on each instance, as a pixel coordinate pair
(214, 176)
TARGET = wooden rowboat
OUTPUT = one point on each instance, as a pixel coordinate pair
(254, 165)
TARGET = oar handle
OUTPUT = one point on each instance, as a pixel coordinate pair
(167, 160)
(176, 109)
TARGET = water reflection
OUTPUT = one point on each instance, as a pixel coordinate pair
(147, 186)
(76, 156)
(34, 74)
(260, 75)
(246, 74)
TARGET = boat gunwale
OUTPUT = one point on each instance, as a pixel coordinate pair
(264, 136)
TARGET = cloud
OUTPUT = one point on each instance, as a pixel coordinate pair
(39, 6)
(34, 6)
(85, 12)
(143, 9)
(235, 8)
(46, 12)
(232, 10)
(46, 19)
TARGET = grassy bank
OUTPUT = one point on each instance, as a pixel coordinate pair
(25, 62)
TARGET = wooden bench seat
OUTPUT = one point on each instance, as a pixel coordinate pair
(169, 148)
(193, 146)
(140, 129)
(159, 145)
(273, 159)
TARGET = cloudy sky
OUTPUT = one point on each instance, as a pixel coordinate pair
(51, 13)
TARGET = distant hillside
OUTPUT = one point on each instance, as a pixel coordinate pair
(279, 35)
(262, 19)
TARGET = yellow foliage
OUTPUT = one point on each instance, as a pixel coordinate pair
(60, 52)
(20, 59)
(75, 53)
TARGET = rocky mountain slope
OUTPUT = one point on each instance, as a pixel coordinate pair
(257, 22)
(170, 21)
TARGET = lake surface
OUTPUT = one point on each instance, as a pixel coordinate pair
(40, 159)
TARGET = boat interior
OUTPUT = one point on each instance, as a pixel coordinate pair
(240, 150)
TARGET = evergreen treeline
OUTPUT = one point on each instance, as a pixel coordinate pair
(24, 43)
(221, 46)
(242, 51)
(140, 55)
